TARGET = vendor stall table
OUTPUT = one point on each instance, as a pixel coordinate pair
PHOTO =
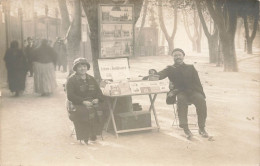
(152, 97)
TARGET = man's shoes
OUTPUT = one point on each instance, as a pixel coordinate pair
(203, 133)
(188, 133)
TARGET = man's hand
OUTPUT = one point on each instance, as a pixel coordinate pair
(87, 103)
(173, 92)
(95, 101)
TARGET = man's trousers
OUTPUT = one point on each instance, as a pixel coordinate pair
(183, 101)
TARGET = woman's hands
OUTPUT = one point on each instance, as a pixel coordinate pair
(89, 104)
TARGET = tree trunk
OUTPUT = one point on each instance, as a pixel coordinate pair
(193, 38)
(238, 36)
(213, 49)
(95, 53)
(171, 46)
(170, 39)
(226, 20)
(65, 20)
(194, 44)
(198, 45)
(212, 38)
(249, 44)
(229, 54)
(143, 20)
(250, 39)
(198, 40)
(74, 35)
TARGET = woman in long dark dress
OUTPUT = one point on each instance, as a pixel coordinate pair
(16, 68)
(44, 61)
(84, 93)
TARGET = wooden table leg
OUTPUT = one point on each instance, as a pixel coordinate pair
(152, 100)
(111, 116)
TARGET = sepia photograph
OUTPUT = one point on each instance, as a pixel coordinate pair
(116, 31)
(116, 13)
(129, 83)
(116, 48)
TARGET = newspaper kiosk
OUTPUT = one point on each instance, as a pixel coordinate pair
(116, 42)
(116, 84)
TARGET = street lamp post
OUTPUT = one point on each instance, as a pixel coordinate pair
(57, 24)
(47, 21)
(20, 14)
(6, 10)
(35, 23)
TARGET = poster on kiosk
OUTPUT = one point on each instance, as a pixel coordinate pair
(116, 41)
(115, 74)
(116, 30)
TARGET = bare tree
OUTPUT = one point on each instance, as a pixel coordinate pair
(145, 6)
(239, 31)
(196, 37)
(212, 38)
(224, 14)
(250, 13)
(170, 39)
(65, 20)
(74, 34)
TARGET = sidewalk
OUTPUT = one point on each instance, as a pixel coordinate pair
(36, 130)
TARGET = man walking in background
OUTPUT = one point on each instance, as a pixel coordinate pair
(29, 55)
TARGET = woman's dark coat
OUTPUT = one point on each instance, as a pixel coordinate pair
(16, 66)
(85, 119)
(45, 54)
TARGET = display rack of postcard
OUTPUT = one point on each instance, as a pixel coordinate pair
(116, 30)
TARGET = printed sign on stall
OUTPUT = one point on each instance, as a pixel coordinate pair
(114, 69)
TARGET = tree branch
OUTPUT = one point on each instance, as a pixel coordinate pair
(202, 20)
(256, 18)
(175, 19)
(161, 20)
(213, 13)
(184, 14)
(143, 19)
(246, 27)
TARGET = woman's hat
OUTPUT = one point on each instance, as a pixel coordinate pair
(80, 61)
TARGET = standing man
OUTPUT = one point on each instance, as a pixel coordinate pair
(61, 50)
(187, 84)
(29, 55)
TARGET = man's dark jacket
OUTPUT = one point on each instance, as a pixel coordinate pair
(185, 78)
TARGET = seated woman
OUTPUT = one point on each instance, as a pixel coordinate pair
(84, 93)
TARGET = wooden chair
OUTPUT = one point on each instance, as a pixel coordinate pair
(176, 118)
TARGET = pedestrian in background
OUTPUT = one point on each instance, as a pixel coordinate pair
(44, 60)
(29, 54)
(16, 68)
(61, 51)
